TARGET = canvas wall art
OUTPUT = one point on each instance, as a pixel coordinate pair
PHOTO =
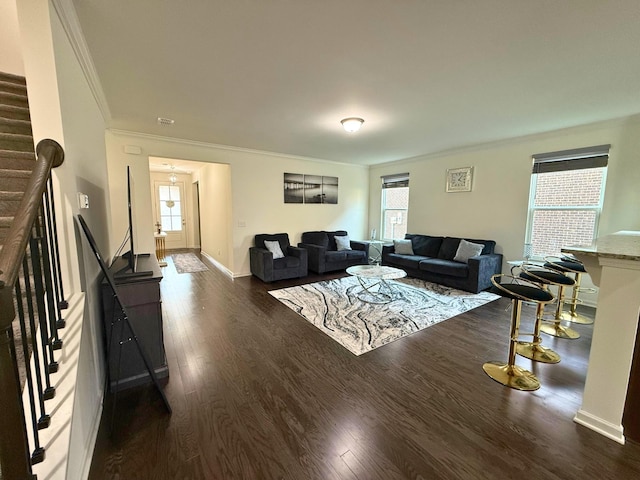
(300, 188)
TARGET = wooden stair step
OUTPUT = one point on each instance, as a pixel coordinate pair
(12, 87)
(14, 111)
(12, 125)
(17, 160)
(8, 98)
(17, 142)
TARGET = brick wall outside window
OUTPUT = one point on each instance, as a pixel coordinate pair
(394, 212)
(553, 229)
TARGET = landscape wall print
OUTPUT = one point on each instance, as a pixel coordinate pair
(299, 188)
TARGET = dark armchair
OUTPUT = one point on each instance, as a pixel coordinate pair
(268, 269)
(326, 256)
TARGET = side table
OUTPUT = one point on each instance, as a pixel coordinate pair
(375, 251)
(160, 248)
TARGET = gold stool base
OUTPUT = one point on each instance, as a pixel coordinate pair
(537, 353)
(560, 331)
(576, 318)
(512, 376)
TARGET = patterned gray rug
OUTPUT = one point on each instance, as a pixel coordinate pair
(334, 307)
(188, 263)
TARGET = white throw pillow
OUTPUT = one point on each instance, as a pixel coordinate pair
(467, 250)
(403, 247)
(274, 247)
(343, 242)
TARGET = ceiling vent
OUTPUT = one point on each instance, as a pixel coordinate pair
(165, 121)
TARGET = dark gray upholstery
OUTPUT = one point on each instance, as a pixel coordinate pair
(268, 269)
(433, 261)
(323, 254)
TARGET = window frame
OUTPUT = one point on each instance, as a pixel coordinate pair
(389, 182)
(563, 159)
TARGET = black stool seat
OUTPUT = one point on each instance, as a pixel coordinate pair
(566, 266)
(527, 293)
(548, 277)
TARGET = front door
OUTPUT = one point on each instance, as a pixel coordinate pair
(170, 213)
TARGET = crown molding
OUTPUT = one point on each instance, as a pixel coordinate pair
(196, 143)
(71, 24)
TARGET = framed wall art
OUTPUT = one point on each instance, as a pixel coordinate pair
(459, 179)
(300, 188)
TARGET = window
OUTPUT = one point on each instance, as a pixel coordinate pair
(170, 208)
(395, 206)
(567, 191)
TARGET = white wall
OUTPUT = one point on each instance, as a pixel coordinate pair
(63, 108)
(257, 199)
(215, 212)
(10, 51)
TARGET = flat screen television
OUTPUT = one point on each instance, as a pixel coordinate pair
(132, 269)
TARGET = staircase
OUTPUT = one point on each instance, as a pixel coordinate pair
(17, 155)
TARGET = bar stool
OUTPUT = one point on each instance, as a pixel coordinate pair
(575, 266)
(519, 290)
(556, 329)
(543, 277)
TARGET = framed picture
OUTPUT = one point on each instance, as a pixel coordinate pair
(459, 179)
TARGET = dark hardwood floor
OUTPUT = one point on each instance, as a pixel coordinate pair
(259, 393)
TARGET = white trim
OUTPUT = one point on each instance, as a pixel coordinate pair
(609, 430)
(217, 264)
(196, 143)
(92, 441)
(71, 24)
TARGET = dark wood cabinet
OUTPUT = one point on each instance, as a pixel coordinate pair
(631, 418)
(141, 297)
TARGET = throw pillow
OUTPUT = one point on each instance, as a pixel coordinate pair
(403, 247)
(343, 242)
(467, 250)
(274, 247)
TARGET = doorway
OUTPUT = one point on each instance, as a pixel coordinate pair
(170, 213)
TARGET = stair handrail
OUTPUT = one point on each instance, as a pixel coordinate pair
(15, 459)
(49, 155)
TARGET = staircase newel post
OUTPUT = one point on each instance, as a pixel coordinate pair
(14, 449)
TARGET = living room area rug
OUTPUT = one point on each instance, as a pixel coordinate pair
(188, 263)
(334, 307)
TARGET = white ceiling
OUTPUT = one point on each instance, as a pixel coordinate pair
(426, 75)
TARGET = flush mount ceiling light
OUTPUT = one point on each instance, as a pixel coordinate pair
(352, 124)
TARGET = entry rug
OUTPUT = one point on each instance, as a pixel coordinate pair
(188, 263)
(333, 307)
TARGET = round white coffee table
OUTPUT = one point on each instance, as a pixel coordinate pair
(373, 280)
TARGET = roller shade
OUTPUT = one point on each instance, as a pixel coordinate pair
(575, 159)
(395, 181)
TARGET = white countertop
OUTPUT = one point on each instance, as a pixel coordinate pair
(623, 245)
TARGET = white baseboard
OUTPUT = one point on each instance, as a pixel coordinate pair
(92, 441)
(607, 429)
(217, 264)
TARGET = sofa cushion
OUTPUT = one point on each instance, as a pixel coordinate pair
(425, 245)
(448, 248)
(331, 256)
(408, 261)
(489, 245)
(355, 254)
(444, 267)
(403, 247)
(316, 238)
(342, 242)
(466, 250)
(286, 262)
(332, 241)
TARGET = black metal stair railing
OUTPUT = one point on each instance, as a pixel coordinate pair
(31, 304)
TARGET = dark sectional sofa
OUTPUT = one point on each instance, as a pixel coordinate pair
(323, 253)
(433, 261)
